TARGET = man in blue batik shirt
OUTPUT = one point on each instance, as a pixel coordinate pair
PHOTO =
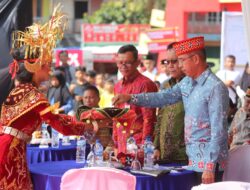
(205, 99)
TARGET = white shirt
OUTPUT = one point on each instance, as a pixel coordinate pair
(234, 76)
(150, 75)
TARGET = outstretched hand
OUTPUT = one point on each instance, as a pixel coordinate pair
(208, 177)
(120, 98)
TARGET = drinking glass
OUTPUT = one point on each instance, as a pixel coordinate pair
(135, 165)
(110, 164)
(90, 137)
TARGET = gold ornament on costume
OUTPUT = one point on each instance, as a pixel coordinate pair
(40, 40)
(53, 108)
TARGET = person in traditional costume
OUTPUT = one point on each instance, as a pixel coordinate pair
(25, 108)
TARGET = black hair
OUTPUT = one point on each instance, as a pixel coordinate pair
(129, 48)
(83, 69)
(63, 52)
(92, 88)
(171, 46)
(149, 56)
(91, 73)
(60, 77)
(231, 57)
(22, 75)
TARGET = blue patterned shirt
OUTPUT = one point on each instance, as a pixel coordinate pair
(206, 103)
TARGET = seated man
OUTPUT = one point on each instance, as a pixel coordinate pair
(239, 131)
(91, 99)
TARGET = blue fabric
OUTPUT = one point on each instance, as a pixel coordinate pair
(206, 104)
(47, 176)
(35, 154)
(68, 106)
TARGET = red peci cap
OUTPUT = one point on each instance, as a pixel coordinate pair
(189, 45)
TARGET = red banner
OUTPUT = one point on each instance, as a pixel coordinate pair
(161, 37)
(163, 33)
(109, 33)
(157, 46)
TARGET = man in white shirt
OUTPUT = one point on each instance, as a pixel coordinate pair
(149, 64)
(230, 77)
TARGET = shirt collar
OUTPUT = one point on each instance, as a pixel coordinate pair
(173, 81)
(202, 78)
(131, 79)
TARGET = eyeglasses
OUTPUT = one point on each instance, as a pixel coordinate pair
(167, 62)
(181, 60)
(127, 63)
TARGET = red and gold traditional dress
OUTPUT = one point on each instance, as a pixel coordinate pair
(20, 117)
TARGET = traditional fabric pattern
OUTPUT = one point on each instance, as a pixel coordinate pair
(206, 105)
(189, 45)
(122, 119)
(145, 117)
(20, 101)
(169, 130)
(239, 131)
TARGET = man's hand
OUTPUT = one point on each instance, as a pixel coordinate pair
(78, 98)
(157, 154)
(207, 177)
(120, 98)
(229, 83)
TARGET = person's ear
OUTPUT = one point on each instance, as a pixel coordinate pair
(137, 62)
(196, 59)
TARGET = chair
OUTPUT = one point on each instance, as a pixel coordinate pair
(225, 185)
(238, 165)
(97, 178)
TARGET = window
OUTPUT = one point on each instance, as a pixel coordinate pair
(81, 7)
(214, 17)
(200, 16)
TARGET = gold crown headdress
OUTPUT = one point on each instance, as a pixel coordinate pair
(40, 40)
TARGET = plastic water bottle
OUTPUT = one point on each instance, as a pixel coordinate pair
(80, 149)
(54, 139)
(131, 145)
(148, 153)
(98, 152)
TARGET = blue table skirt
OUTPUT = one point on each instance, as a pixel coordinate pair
(47, 176)
(35, 154)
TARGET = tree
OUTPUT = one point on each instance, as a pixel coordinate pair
(124, 12)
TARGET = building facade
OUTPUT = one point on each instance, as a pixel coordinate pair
(203, 18)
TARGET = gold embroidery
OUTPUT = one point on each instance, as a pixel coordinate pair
(51, 108)
(15, 173)
(12, 111)
(17, 91)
